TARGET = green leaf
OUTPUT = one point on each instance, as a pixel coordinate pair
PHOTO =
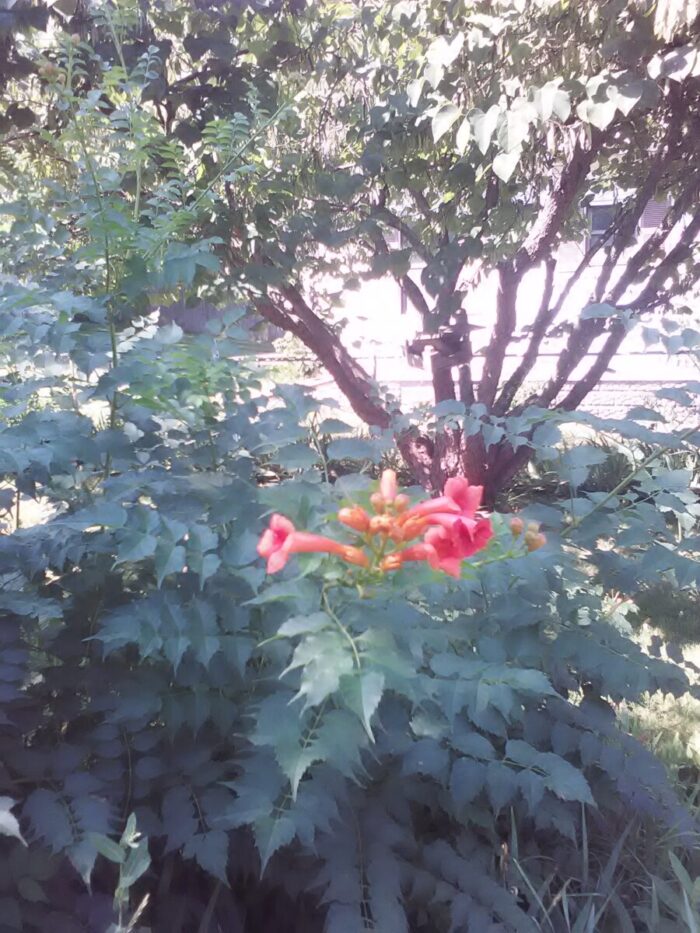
(449, 407)
(504, 164)
(563, 779)
(107, 847)
(169, 558)
(467, 780)
(9, 825)
(210, 851)
(324, 658)
(550, 100)
(464, 134)
(30, 890)
(443, 119)
(318, 735)
(443, 52)
(600, 115)
(362, 691)
(334, 426)
(296, 457)
(137, 863)
(483, 126)
(303, 625)
(514, 125)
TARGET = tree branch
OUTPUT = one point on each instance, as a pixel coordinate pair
(539, 328)
(443, 383)
(596, 372)
(349, 376)
(586, 331)
(648, 296)
(405, 230)
(413, 291)
(558, 203)
(503, 329)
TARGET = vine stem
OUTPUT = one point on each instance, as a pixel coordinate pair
(329, 609)
(628, 479)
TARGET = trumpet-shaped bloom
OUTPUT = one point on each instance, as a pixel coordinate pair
(280, 540)
(273, 542)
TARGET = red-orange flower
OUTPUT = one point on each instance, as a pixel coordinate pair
(420, 551)
(466, 497)
(454, 543)
(273, 542)
(281, 540)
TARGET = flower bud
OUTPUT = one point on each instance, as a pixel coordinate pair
(353, 555)
(378, 502)
(355, 518)
(396, 533)
(516, 526)
(533, 526)
(75, 38)
(388, 485)
(401, 503)
(413, 527)
(534, 540)
(391, 562)
(380, 524)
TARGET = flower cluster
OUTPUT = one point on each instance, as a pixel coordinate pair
(443, 532)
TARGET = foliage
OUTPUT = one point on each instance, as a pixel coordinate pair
(439, 145)
(272, 755)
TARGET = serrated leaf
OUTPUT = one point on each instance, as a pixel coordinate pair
(271, 833)
(179, 820)
(324, 658)
(300, 741)
(169, 558)
(563, 779)
(49, 818)
(362, 691)
(210, 851)
(304, 625)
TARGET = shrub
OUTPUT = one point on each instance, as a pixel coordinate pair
(150, 667)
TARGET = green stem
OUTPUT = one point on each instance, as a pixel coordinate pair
(342, 629)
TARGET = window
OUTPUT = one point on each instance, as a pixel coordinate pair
(601, 216)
